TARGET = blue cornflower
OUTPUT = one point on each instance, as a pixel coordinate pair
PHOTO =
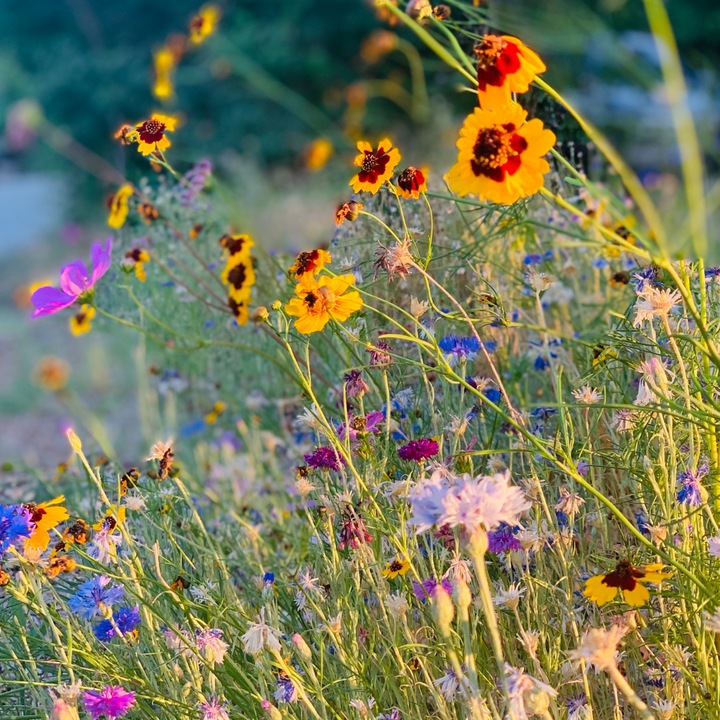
(126, 619)
(286, 692)
(15, 524)
(646, 276)
(692, 492)
(600, 263)
(533, 259)
(458, 347)
(269, 578)
(94, 596)
(712, 273)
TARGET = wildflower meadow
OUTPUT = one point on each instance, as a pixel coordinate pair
(460, 461)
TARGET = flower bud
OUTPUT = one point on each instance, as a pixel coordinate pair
(537, 701)
(276, 305)
(463, 598)
(62, 711)
(74, 440)
(302, 647)
(260, 314)
(443, 609)
(271, 711)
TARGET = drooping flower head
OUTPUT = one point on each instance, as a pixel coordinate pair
(505, 66)
(15, 525)
(95, 596)
(628, 579)
(260, 635)
(417, 450)
(45, 516)
(309, 263)
(317, 302)
(376, 166)
(411, 183)
(74, 281)
(500, 155)
(348, 211)
(151, 134)
(112, 702)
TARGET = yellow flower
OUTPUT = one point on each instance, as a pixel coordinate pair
(119, 511)
(151, 134)
(164, 62)
(629, 580)
(318, 153)
(398, 566)
(376, 166)
(500, 155)
(240, 276)
(237, 244)
(317, 302)
(119, 207)
(309, 263)
(80, 323)
(135, 259)
(51, 373)
(214, 414)
(203, 24)
(240, 311)
(46, 516)
(505, 66)
(412, 183)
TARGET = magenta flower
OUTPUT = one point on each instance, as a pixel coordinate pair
(74, 281)
(419, 450)
(112, 702)
(324, 458)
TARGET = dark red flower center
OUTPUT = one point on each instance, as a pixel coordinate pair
(497, 151)
(151, 131)
(497, 58)
(395, 566)
(624, 576)
(411, 180)
(373, 165)
(310, 299)
(305, 262)
(36, 512)
(233, 244)
(237, 276)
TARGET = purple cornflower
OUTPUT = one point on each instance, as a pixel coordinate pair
(361, 424)
(418, 450)
(195, 180)
(211, 645)
(692, 492)
(324, 458)
(459, 348)
(394, 714)
(502, 540)
(428, 587)
(213, 709)
(112, 702)
(355, 386)
(286, 692)
(74, 281)
(646, 276)
(380, 354)
(94, 596)
(15, 524)
(126, 619)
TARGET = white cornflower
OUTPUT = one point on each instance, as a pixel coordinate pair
(310, 418)
(588, 395)
(259, 636)
(712, 621)
(654, 302)
(69, 693)
(397, 604)
(714, 546)
(304, 487)
(201, 593)
(450, 683)
(363, 707)
(645, 395)
(559, 294)
(569, 503)
(538, 281)
(134, 502)
(459, 571)
(178, 639)
(658, 533)
(509, 597)
(665, 708)
(598, 647)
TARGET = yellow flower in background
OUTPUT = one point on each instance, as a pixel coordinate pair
(203, 24)
(628, 579)
(376, 166)
(46, 516)
(317, 302)
(151, 134)
(215, 413)
(318, 153)
(119, 207)
(240, 311)
(239, 274)
(237, 244)
(135, 259)
(398, 566)
(164, 63)
(500, 155)
(81, 323)
(51, 373)
(119, 511)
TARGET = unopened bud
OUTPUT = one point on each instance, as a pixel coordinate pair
(74, 440)
(443, 609)
(463, 598)
(260, 314)
(62, 711)
(276, 305)
(271, 711)
(302, 647)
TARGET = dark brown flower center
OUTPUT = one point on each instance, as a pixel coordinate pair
(496, 151)
(359, 423)
(311, 299)
(151, 131)
(396, 566)
(237, 276)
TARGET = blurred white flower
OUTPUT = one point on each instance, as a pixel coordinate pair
(588, 395)
(259, 636)
(598, 647)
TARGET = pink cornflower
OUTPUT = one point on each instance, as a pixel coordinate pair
(418, 450)
(213, 710)
(325, 458)
(112, 702)
(74, 281)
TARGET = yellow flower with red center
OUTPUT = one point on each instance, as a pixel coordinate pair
(151, 134)
(203, 24)
(134, 260)
(398, 566)
(239, 274)
(411, 183)
(119, 207)
(629, 580)
(81, 322)
(376, 166)
(46, 516)
(309, 263)
(500, 155)
(318, 302)
(505, 66)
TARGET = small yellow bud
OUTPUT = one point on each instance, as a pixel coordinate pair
(276, 305)
(463, 598)
(74, 440)
(260, 314)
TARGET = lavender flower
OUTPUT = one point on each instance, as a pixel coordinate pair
(428, 587)
(286, 692)
(195, 180)
(112, 702)
(503, 540)
(213, 709)
(95, 596)
(325, 458)
(211, 645)
(418, 450)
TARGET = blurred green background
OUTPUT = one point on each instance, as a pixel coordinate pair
(277, 76)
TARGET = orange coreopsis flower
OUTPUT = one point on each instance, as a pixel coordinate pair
(317, 302)
(629, 580)
(505, 66)
(411, 183)
(151, 134)
(309, 263)
(500, 155)
(46, 516)
(376, 166)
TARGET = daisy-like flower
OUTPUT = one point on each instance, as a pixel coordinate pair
(628, 579)
(654, 302)
(119, 207)
(509, 597)
(348, 211)
(45, 516)
(203, 24)
(714, 546)
(239, 274)
(588, 395)
(135, 260)
(376, 166)
(125, 620)
(95, 596)
(75, 282)
(505, 66)
(112, 702)
(211, 645)
(399, 566)
(260, 636)
(81, 322)
(319, 302)
(411, 183)
(214, 709)
(15, 525)
(151, 134)
(500, 155)
(309, 264)
(598, 647)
